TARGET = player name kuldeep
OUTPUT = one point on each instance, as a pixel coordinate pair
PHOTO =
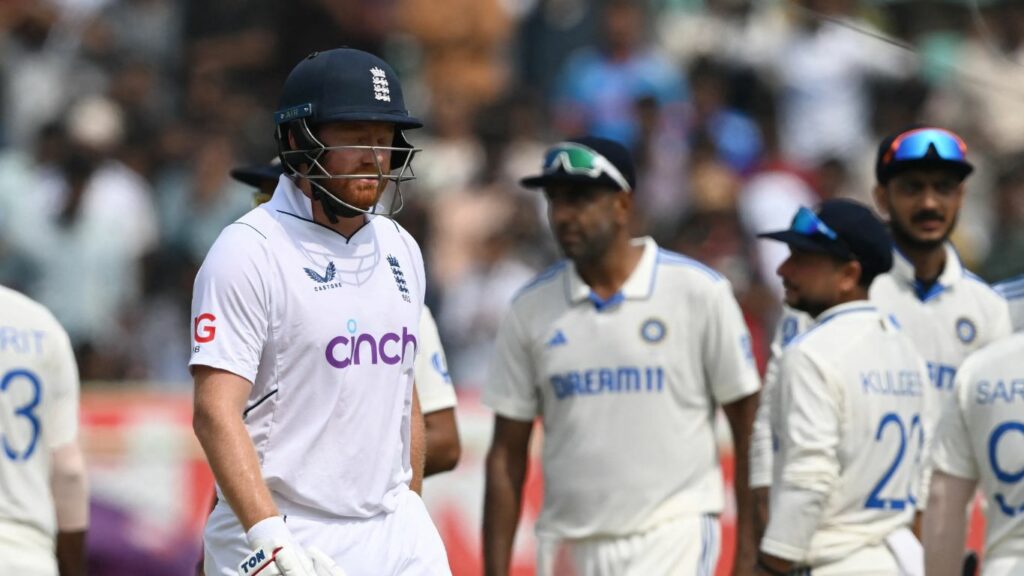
(888, 383)
(992, 391)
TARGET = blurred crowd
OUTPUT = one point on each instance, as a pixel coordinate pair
(120, 120)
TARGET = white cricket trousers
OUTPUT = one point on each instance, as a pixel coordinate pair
(1002, 566)
(687, 546)
(877, 560)
(404, 542)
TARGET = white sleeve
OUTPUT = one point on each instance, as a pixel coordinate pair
(230, 304)
(728, 356)
(510, 389)
(433, 383)
(951, 450)
(761, 448)
(935, 403)
(63, 419)
(809, 440)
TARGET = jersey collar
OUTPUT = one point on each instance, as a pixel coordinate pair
(638, 286)
(952, 272)
(288, 198)
(855, 307)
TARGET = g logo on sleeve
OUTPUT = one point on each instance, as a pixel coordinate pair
(204, 330)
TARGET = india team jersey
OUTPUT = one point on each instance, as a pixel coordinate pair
(1013, 291)
(627, 389)
(38, 413)
(433, 384)
(325, 328)
(981, 437)
(846, 415)
(958, 315)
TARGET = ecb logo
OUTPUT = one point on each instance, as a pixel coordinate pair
(653, 330)
(965, 330)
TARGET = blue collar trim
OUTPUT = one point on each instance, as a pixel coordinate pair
(924, 293)
(601, 304)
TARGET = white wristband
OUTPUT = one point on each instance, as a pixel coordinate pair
(272, 529)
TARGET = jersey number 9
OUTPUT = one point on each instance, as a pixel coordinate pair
(1006, 477)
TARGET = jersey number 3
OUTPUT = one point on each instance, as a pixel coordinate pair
(26, 411)
(875, 500)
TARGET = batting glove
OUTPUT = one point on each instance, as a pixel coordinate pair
(275, 553)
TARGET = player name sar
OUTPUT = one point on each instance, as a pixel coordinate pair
(597, 381)
(992, 391)
(889, 383)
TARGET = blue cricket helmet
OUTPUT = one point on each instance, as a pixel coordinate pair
(341, 85)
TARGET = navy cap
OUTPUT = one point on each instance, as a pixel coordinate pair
(257, 174)
(613, 152)
(842, 228)
(343, 84)
(887, 165)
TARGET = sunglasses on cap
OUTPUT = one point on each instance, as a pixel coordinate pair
(807, 223)
(915, 145)
(577, 159)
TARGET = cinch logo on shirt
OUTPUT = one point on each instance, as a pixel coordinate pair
(356, 349)
(621, 380)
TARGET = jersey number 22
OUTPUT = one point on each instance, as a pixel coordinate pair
(889, 420)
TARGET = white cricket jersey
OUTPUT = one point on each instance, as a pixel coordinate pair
(627, 389)
(981, 437)
(433, 384)
(325, 327)
(1013, 291)
(762, 443)
(38, 413)
(847, 417)
(958, 315)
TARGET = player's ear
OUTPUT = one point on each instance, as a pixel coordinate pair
(849, 277)
(624, 202)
